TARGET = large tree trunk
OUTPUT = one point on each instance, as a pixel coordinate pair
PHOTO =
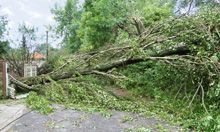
(32, 83)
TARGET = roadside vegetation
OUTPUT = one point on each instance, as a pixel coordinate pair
(165, 63)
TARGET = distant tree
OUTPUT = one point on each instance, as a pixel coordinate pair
(103, 20)
(67, 19)
(17, 57)
(41, 48)
(28, 43)
(4, 45)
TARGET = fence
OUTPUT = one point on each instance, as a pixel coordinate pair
(30, 70)
(3, 79)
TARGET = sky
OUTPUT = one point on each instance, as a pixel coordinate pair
(31, 12)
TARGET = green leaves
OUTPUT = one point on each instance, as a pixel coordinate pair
(68, 19)
(38, 103)
(210, 123)
(4, 46)
(3, 23)
(98, 22)
(106, 22)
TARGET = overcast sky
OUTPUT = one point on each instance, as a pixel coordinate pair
(31, 12)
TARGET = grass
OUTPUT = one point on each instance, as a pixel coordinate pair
(141, 129)
(127, 119)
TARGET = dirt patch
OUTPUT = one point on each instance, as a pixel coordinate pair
(119, 92)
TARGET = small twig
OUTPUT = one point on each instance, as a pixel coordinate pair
(194, 96)
(108, 75)
(203, 101)
(178, 93)
(190, 6)
(185, 91)
(218, 33)
(61, 67)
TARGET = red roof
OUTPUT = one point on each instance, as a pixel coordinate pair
(38, 56)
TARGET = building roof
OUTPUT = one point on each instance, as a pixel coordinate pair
(37, 56)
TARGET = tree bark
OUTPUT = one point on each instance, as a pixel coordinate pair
(31, 82)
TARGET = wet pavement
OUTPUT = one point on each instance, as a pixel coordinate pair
(10, 113)
(66, 120)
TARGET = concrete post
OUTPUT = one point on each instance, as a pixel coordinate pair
(4, 79)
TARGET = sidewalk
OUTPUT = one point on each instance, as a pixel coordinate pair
(9, 113)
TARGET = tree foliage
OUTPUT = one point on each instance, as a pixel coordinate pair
(67, 19)
(3, 43)
(99, 23)
(28, 37)
(20, 55)
(129, 30)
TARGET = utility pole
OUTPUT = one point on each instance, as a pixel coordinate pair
(47, 46)
(24, 54)
(24, 48)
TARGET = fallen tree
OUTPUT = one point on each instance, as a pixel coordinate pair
(163, 41)
(176, 57)
(33, 83)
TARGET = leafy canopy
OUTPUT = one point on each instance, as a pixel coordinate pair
(3, 44)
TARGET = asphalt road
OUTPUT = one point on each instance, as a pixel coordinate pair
(66, 120)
